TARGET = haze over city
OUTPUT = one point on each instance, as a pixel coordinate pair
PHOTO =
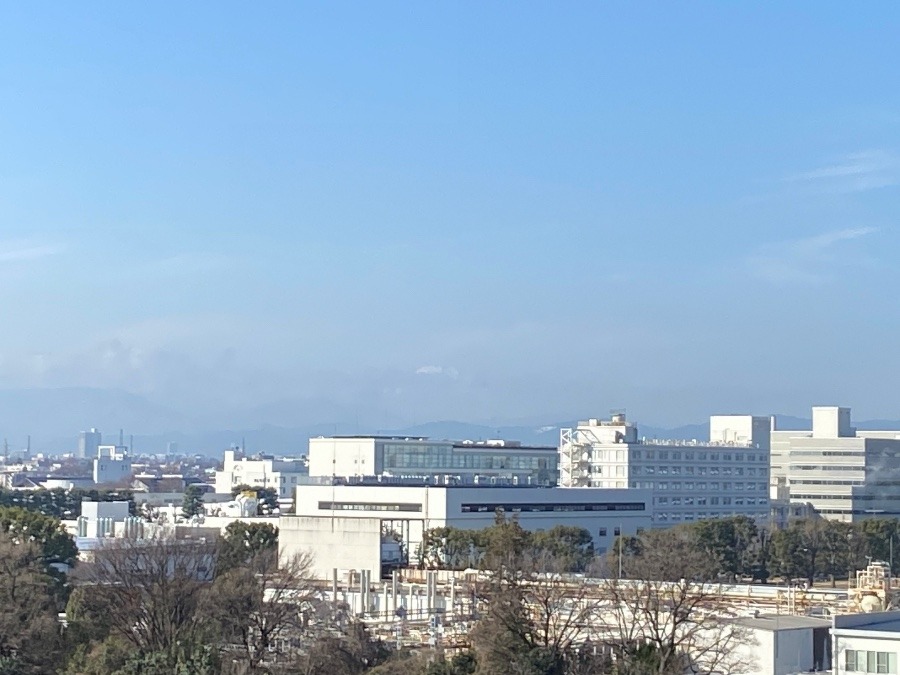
(217, 217)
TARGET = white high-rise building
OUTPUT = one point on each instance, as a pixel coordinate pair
(88, 443)
(844, 473)
(688, 480)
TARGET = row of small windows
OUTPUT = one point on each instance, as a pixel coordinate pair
(700, 470)
(691, 455)
(541, 508)
(828, 482)
(858, 661)
(711, 501)
(241, 480)
(679, 517)
(677, 485)
(827, 453)
(825, 467)
(364, 506)
(855, 498)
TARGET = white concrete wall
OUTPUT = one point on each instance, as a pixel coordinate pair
(831, 422)
(758, 653)
(94, 510)
(342, 456)
(343, 543)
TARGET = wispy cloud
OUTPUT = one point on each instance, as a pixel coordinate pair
(811, 260)
(855, 172)
(452, 373)
(23, 251)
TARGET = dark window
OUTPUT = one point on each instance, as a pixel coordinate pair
(534, 508)
(361, 506)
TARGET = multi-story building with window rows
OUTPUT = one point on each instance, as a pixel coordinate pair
(469, 461)
(689, 481)
(844, 473)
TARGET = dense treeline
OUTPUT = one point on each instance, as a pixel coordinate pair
(809, 549)
(188, 607)
(457, 549)
(60, 503)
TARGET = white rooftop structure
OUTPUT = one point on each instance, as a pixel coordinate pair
(347, 456)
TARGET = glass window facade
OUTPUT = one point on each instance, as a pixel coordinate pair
(430, 458)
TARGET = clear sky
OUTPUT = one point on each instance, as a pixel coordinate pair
(477, 211)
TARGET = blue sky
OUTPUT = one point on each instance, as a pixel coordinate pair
(479, 211)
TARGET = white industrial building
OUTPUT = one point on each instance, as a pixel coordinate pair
(347, 456)
(844, 473)
(688, 480)
(359, 526)
(112, 465)
(778, 644)
(866, 643)
(282, 475)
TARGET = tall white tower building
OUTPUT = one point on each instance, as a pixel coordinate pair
(88, 443)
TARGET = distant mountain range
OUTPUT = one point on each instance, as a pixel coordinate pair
(53, 418)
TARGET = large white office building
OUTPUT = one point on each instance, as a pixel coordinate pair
(112, 465)
(359, 526)
(467, 461)
(844, 473)
(688, 481)
(282, 475)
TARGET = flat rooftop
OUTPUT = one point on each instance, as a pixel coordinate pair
(776, 622)
(490, 444)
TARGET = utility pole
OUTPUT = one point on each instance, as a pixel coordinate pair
(621, 542)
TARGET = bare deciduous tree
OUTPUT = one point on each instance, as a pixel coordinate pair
(665, 611)
(151, 588)
(264, 606)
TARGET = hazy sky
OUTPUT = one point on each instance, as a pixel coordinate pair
(479, 211)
